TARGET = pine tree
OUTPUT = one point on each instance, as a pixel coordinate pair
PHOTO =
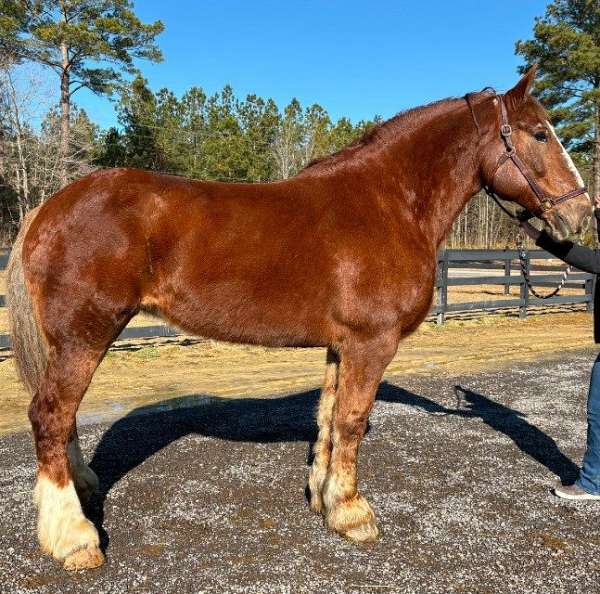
(86, 42)
(111, 150)
(137, 113)
(222, 145)
(259, 122)
(194, 123)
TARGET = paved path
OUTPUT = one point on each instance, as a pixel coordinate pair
(210, 499)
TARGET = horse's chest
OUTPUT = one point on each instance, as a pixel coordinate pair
(414, 293)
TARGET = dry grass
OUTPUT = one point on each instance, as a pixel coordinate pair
(469, 294)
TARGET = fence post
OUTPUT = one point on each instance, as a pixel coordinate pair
(442, 286)
(507, 271)
(590, 286)
(524, 291)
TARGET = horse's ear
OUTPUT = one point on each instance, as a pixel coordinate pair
(520, 91)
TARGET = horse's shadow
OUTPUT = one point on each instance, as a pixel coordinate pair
(512, 423)
(146, 430)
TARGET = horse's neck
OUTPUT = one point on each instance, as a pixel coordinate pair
(443, 172)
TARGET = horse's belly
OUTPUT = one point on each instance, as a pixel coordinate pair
(283, 303)
(234, 312)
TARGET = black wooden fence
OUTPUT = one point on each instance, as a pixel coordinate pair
(501, 267)
(455, 268)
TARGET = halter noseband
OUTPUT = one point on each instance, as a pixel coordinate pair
(546, 201)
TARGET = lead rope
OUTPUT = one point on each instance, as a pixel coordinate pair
(523, 255)
(523, 261)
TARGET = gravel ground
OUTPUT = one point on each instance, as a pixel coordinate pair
(211, 498)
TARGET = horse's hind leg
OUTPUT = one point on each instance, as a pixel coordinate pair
(84, 478)
(322, 447)
(63, 530)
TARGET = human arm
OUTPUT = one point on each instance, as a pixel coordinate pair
(574, 254)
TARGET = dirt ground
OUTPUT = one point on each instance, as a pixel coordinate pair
(211, 498)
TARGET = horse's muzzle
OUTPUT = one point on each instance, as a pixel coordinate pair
(569, 220)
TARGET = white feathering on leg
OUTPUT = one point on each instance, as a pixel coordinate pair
(62, 527)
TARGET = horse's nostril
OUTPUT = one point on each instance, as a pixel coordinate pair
(560, 227)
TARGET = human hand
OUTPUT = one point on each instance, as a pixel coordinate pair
(530, 230)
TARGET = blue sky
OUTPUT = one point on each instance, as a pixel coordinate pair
(354, 58)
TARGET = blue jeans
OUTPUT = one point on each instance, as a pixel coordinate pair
(589, 477)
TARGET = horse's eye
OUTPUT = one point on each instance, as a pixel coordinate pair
(541, 136)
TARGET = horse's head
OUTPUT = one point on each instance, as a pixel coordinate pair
(524, 162)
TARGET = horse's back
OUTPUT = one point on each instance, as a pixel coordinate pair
(197, 252)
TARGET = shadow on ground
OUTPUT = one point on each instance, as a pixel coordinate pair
(146, 430)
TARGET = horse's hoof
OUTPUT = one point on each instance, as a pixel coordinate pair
(354, 520)
(364, 533)
(87, 558)
(63, 531)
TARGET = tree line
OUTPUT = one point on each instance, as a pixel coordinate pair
(93, 44)
(220, 137)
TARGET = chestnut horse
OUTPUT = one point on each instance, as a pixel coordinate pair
(342, 256)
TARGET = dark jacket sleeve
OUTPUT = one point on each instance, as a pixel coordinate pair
(572, 253)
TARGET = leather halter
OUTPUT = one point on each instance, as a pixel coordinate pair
(546, 201)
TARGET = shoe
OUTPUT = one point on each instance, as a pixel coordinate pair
(574, 493)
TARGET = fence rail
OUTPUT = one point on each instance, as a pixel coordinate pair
(449, 261)
(506, 262)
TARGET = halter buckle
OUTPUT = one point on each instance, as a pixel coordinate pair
(505, 130)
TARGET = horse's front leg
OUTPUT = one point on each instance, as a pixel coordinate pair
(361, 368)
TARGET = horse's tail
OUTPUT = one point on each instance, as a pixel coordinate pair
(28, 343)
